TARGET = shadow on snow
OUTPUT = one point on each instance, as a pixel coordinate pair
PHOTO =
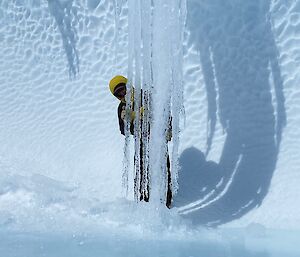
(63, 14)
(239, 60)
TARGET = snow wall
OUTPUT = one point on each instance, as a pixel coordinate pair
(239, 151)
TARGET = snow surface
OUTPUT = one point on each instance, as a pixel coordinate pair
(61, 152)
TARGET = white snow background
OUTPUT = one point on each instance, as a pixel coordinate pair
(61, 151)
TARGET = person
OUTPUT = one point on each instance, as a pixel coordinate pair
(117, 86)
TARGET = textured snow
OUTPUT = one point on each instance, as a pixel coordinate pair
(61, 152)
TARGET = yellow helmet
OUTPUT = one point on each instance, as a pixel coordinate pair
(116, 80)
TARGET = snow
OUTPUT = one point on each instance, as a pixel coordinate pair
(61, 154)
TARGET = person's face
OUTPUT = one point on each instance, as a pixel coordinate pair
(120, 91)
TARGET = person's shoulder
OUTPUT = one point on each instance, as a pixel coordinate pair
(121, 106)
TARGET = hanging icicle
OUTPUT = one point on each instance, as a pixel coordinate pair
(155, 39)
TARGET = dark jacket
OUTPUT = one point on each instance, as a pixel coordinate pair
(121, 107)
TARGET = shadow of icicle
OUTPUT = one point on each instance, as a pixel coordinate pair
(238, 55)
(64, 14)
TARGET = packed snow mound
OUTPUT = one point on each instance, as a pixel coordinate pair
(60, 222)
(39, 203)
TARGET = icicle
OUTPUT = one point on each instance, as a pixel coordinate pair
(126, 164)
(178, 22)
(134, 75)
(160, 94)
(137, 98)
(126, 160)
(129, 89)
(155, 69)
(146, 85)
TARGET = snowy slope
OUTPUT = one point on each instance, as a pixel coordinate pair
(60, 149)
